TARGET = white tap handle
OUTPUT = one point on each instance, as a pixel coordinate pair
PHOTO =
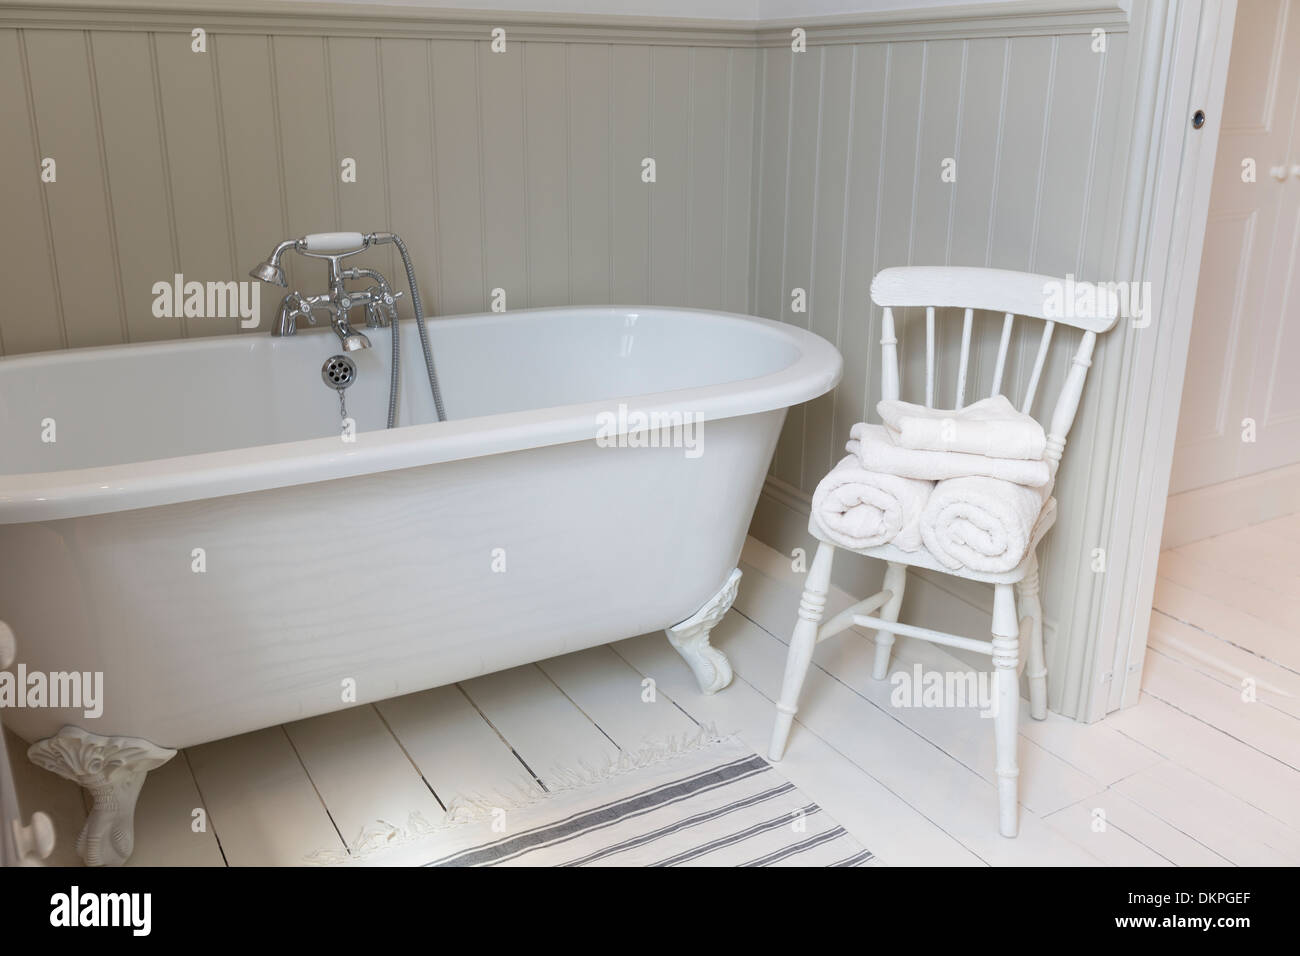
(1279, 173)
(330, 243)
(1295, 170)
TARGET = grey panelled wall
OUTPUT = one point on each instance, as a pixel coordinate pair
(853, 140)
(518, 170)
(521, 170)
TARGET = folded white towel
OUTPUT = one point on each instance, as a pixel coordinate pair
(991, 427)
(864, 509)
(874, 449)
(983, 523)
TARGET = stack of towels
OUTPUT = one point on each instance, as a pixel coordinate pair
(970, 486)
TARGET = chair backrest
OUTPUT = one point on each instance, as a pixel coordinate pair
(1045, 298)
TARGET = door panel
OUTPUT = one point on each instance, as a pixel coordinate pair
(1243, 346)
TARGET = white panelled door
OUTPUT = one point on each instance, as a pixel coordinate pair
(1245, 345)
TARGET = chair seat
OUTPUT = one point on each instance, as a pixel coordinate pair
(924, 559)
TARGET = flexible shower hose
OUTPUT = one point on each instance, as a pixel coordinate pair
(418, 306)
(419, 324)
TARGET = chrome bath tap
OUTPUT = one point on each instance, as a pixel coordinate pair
(379, 300)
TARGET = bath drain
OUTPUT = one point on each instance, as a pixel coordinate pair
(338, 372)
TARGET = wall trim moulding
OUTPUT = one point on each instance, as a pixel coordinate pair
(315, 18)
(968, 21)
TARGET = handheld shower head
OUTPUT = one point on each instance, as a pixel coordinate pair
(270, 270)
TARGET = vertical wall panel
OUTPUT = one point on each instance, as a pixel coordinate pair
(1069, 160)
(936, 143)
(979, 140)
(1029, 75)
(31, 319)
(708, 179)
(252, 138)
(899, 170)
(590, 171)
(307, 142)
(455, 113)
(860, 323)
(631, 197)
(1029, 67)
(408, 135)
(546, 172)
(671, 99)
(737, 160)
(820, 445)
(124, 76)
(501, 126)
(800, 216)
(352, 64)
(801, 180)
(197, 180)
(67, 131)
(942, 97)
(773, 159)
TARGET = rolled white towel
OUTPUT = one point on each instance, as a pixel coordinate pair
(873, 447)
(983, 524)
(991, 427)
(864, 509)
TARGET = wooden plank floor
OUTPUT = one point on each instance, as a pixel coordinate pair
(1197, 774)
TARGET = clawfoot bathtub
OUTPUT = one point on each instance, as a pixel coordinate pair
(190, 521)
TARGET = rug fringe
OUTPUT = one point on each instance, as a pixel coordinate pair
(515, 795)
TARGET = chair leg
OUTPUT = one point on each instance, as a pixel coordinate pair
(1006, 659)
(802, 642)
(1031, 606)
(895, 582)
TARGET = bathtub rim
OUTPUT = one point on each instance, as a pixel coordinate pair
(82, 492)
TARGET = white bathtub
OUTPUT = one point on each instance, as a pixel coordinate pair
(345, 572)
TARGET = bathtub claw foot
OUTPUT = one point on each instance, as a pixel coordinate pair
(691, 638)
(113, 770)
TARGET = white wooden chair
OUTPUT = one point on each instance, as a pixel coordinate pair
(999, 291)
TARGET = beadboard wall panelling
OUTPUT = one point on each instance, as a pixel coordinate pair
(196, 142)
(140, 201)
(852, 145)
(32, 319)
(356, 78)
(591, 101)
(65, 114)
(519, 170)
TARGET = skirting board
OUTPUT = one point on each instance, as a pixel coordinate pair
(1229, 505)
(930, 600)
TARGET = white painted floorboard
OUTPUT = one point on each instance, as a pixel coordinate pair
(1193, 775)
(261, 803)
(361, 772)
(548, 731)
(459, 753)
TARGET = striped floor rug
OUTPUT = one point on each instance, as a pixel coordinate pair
(715, 803)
